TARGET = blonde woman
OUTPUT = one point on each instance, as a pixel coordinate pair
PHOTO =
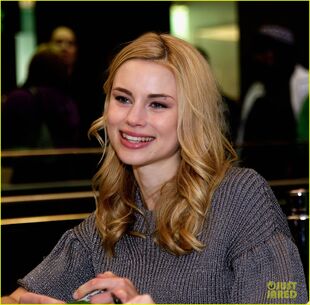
(176, 220)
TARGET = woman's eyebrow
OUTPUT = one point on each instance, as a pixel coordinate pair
(152, 95)
(160, 95)
(122, 90)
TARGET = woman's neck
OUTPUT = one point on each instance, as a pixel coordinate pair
(151, 178)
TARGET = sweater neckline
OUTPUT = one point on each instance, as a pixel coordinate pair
(145, 223)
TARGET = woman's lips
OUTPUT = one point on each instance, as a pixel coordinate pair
(133, 140)
(136, 138)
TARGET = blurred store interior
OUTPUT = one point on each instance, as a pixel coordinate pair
(46, 190)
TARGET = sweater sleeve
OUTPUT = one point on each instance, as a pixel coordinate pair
(264, 258)
(68, 266)
(270, 272)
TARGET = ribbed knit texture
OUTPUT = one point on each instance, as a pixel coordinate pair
(248, 244)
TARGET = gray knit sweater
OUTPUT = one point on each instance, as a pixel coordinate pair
(249, 255)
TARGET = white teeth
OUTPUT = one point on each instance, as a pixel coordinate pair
(137, 139)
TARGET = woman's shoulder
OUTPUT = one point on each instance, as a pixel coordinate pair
(245, 203)
(243, 174)
(240, 183)
(245, 180)
(87, 232)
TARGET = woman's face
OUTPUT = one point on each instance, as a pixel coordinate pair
(142, 115)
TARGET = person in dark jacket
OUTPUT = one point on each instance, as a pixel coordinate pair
(41, 114)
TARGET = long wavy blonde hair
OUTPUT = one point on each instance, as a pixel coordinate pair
(205, 152)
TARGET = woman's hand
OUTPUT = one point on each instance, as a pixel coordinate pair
(33, 298)
(22, 296)
(141, 299)
(112, 287)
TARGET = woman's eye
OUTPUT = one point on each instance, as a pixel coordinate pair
(122, 99)
(157, 105)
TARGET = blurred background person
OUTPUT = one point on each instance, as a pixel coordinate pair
(41, 114)
(272, 104)
(64, 39)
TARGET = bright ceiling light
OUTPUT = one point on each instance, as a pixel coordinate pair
(228, 32)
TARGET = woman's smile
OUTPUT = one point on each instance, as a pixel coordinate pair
(135, 141)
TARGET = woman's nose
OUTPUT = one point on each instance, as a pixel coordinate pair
(136, 115)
